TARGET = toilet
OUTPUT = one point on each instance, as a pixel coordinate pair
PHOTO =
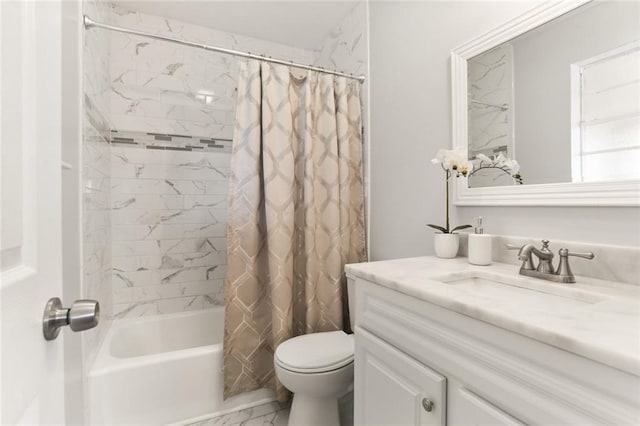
(318, 369)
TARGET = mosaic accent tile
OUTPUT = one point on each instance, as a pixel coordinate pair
(169, 142)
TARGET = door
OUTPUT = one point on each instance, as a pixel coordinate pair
(392, 388)
(30, 230)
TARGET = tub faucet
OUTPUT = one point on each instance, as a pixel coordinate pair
(545, 269)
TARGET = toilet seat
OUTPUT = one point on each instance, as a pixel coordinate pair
(316, 352)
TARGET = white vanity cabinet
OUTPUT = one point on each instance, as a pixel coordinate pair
(471, 409)
(394, 388)
(417, 363)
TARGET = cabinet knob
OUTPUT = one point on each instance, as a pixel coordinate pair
(427, 404)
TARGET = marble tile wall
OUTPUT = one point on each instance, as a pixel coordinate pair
(345, 46)
(169, 207)
(169, 219)
(167, 88)
(490, 81)
(96, 169)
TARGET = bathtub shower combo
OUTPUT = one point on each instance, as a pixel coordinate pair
(160, 358)
(140, 356)
(163, 369)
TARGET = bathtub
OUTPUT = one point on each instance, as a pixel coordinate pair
(161, 370)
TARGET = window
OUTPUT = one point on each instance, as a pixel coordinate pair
(606, 116)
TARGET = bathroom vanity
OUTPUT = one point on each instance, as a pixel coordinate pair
(444, 342)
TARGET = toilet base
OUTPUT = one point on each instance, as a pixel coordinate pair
(309, 411)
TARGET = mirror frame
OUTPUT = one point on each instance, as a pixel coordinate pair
(618, 193)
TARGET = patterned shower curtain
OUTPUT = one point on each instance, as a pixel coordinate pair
(296, 215)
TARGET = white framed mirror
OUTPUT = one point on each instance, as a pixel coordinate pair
(548, 108)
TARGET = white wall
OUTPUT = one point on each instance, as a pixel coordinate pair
(410, 43)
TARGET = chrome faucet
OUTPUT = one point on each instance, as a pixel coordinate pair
(545, 269)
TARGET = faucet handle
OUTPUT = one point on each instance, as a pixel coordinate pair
(564, 271)
(565, 252)
(544, 265)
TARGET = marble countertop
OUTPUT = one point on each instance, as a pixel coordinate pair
(596, 319)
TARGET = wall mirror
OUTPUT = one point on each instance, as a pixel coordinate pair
(547, 107)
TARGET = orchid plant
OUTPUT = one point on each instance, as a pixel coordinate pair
(500, 162)
(455, 164)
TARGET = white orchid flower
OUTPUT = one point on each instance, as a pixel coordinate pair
(440, 156)
(513, 166)
(500, 160)
(455, 163)
(483, 158)
(453, 159)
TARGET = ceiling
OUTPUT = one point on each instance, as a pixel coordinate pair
(299, 23)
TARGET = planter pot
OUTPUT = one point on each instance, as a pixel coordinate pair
(446, 245)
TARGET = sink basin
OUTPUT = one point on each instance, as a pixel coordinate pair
(539, 294)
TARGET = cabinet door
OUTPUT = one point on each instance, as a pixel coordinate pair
(392, 388)
(466, 409)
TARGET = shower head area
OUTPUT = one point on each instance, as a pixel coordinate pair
(160, 96)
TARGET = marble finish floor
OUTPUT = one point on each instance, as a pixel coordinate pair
(270, 414)
(273, 414)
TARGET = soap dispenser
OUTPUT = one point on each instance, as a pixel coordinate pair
(480, 245)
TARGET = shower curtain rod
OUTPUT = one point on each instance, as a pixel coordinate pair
(90, 23)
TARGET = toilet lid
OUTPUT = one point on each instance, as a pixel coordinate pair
(316, 352)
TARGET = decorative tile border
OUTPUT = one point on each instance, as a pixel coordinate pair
(170, 141)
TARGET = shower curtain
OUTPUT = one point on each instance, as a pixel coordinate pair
(296, 215)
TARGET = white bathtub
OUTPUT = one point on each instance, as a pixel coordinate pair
(161, 370)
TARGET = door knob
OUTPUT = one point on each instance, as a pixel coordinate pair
(83, 315)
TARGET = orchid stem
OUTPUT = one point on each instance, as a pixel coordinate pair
(446, 183)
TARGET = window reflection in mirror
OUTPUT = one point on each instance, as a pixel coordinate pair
(562, 99)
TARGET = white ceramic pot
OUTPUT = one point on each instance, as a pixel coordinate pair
(446, 245)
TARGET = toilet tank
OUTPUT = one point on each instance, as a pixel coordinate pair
(351, 295)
